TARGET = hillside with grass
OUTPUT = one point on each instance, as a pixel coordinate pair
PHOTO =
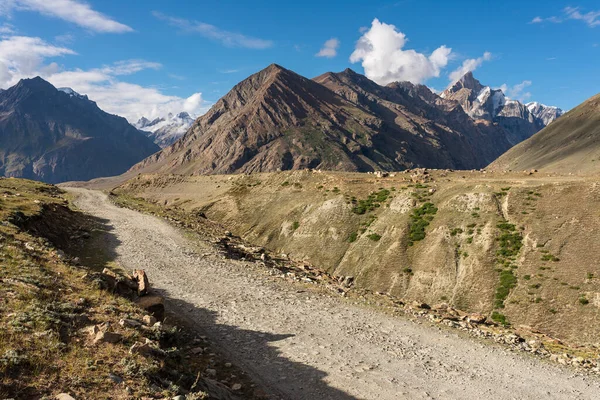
(511, 246)
(571, 144)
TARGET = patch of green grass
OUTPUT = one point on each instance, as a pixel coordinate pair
(295, 225)
(419, 220)
(374, 237)
(456, 231)
(499, 318)
(352, 238)
(507, 281)
(373, 201)
(550, 257)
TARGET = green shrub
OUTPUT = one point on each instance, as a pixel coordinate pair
(295, 225)
(374, 237)
(419, 220)
(352, 238)
(456, 231)
(507, 281)
(499, 318)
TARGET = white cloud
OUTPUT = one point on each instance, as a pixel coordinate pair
(381, 51)
(539, 20)
(592, 18)
(229, 71)
(229, 39)
(517, 91)
(74, 11)
(471, 65)
(329, 49)
(7, 29)
(25, 57)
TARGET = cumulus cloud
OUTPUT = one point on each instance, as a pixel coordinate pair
(229, 39)
(25, 57)
(469, 65)
(517, 91)
(329, 49)
(381, 51)
(73, 11)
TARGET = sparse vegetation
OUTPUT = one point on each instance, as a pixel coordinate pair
(550, 257)
(456, 231)
(295, 225)
(507, 281)
(373, 201)
(499, 318)
(420, 219)
(352, 238)
(374, 237)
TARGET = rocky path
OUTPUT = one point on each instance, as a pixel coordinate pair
(305, 345)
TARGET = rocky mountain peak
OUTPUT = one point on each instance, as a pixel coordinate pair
(467, 81)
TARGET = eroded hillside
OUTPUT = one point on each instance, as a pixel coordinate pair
(518, 248)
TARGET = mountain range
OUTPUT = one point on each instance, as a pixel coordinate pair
(59, 135)
(520, 121)
(164, 131)
(273, 120)
(279, 120)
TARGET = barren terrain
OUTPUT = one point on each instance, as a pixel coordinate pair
(306, 345)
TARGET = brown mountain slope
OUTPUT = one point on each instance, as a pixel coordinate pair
(569, 145)
(279, 120)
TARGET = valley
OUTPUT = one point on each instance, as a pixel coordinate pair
(509, 245)
(302, 343)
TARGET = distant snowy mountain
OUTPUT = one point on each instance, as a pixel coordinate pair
(520, 120)
(545, 113)
(165, 131)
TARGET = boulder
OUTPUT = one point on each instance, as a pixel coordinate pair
(107, 337)
(141, 348)
(154, 305)
(476, 318)
(149, 320)
(64, 396)
(143, 284)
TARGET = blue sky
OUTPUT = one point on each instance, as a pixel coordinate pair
(147, 57)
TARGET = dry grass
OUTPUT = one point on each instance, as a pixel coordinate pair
(46, 301)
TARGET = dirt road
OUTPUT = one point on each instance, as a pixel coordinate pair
(311, 346)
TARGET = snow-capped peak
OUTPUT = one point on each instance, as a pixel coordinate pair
(73, 93)
(166, 130)
(544, 113)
